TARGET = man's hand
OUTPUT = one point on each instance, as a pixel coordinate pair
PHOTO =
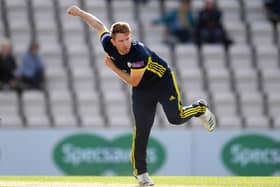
(108, 62)
(74, 10)
(90, 19)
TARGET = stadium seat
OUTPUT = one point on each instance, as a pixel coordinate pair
(187, 57)
(191, 79)
(254, 11)
(240, 55)
(218, 79)
(40, 120)
(155, 36)
(82, 73)
(229, 121)
(246, 80)
(226, 109)
(56, 78)
(38, 4)
(97, 7)
(236, 31)
(62, 109)
(9, 110)
(123, 10)
(119, 116)
(89, 108)
(276, 122)
(35, 109)
(149, 11)
(213, 53)
(261, 33)
(192, 96)
(273, 100)
(11, 120)
(252, 107)
(257, 121)
(267, 57)
(217, 74)
(44, 20)
(163, 51)
(224, 99)
(116, 101)
(187, 66)
(20, 27)
(64, 4)
(64, 120)
(230, 10)
(92, 121)
(270, 80)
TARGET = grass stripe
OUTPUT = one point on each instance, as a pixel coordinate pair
(159, 180)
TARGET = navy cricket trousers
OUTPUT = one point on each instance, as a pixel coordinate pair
(144, 102)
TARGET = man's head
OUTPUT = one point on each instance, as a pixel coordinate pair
(5, 47)
(121, 37)
(185, 5)
(210, 4)
(34, 47)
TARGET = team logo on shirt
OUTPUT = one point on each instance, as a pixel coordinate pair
(138, 64)
(172, 97)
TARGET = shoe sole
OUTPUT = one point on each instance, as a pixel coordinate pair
(146, 184)
(213, 120)
(207, 124)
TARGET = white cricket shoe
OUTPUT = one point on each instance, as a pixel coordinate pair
(208, 119)
(144, 180)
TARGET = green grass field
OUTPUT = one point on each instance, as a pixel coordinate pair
(160, 181)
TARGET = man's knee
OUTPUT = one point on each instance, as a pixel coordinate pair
(175, 120)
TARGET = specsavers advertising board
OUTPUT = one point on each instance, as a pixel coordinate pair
(177, 151)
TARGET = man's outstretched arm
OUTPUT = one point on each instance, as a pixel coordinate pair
(90, 19)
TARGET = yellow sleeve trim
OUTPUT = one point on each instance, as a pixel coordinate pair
(101, 33)
(142, 69)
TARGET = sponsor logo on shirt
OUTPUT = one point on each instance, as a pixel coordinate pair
(138, 64)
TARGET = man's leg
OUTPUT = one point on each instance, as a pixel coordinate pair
(178, 114)
(144, 106)
(183, 35)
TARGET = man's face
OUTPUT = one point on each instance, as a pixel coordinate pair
(34, 48)
(185, 6)
(209, 4)
(122, 41)
(6, 49)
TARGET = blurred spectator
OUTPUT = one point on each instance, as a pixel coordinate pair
(272, 10)
(179, 23)
(8, 66)
(210, 28)
(31, 71)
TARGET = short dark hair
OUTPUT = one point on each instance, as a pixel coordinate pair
(185, 1)
(120, 27)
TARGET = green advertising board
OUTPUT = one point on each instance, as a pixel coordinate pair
(252, 155)
(92, 154)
